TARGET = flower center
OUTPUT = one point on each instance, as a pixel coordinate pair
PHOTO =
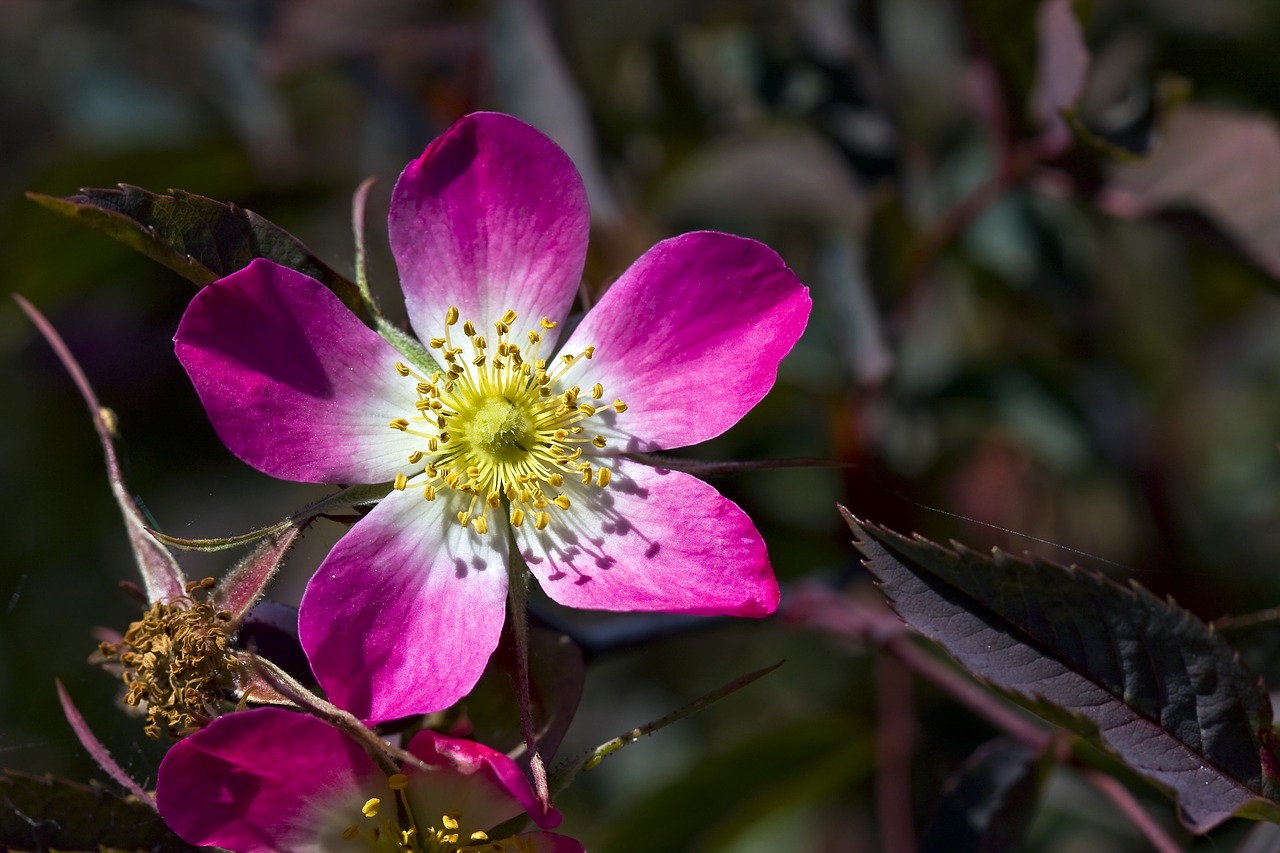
(378, 828)
(502, 429)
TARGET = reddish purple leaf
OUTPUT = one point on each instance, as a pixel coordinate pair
(1141, 676)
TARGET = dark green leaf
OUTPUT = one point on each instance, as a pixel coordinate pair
(196, 237)
(43, 813)
(1148, 679)
(987, 804)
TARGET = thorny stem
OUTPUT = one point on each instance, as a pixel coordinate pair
(287, 686)
(518, 599)
(358, 203)
(1132, 809)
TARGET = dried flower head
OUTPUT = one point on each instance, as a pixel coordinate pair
(177, 661)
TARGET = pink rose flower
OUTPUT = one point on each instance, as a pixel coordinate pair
(520, 439)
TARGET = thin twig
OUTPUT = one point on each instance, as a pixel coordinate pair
(1133, 810)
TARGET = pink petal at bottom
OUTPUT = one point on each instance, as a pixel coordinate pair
(653, 540)
(403, 614)
(265, 780)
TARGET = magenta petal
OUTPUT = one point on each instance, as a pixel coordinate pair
(265, 780)
(492, 216)
(486, 786)
(690, 337)
(294, 384)
(653, 540)
(402, 616)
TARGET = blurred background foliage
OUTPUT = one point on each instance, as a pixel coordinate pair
(1021, 338)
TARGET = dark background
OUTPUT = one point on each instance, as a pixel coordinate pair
(1020, 368)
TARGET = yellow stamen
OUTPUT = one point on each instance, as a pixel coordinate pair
(370, 808)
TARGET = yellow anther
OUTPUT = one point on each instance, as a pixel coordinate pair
(562, 502)
(398, 781)
(433, 444)
(517, 516)
(541, 520)
(586, 475)
(534, 337)
(415, 457)
(422, 405)
(400, 482)
(501, 328)
(479, 835)
(480, 342)
(587, 409)
(429, 492)
(597, 391)
(568, 359)
(561, 434)
(556, 479)
(400, 424)
(599, 441)
(602, 477)
(370, 808)
(509, 317)
(588, 352)
(494, 499)
(426, 387)
(577, 430)
(463, 518)
(481, 524)
(451, 316)
(547, 324)
(540, 502)
(478, 361)
(468, 329)
(473, 472)
(619, 406)
(402, 368)
(449, 822)
(437, 343)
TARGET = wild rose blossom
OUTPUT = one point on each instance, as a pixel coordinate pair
(271, 780)
(513, 441)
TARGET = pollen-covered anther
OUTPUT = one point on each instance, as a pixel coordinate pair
(500, 426)
(400, 482)
(370, 808)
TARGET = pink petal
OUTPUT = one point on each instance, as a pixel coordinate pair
(266, 780)
(492, 216)
(402, 616)
(486, 786)
(294, 384)
(653, 540)
(690, 337)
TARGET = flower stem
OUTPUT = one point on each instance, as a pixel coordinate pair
(518, 601)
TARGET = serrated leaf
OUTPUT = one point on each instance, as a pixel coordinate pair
(45, 813)
(987, 804)
(1157, 685)
(198, 238)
